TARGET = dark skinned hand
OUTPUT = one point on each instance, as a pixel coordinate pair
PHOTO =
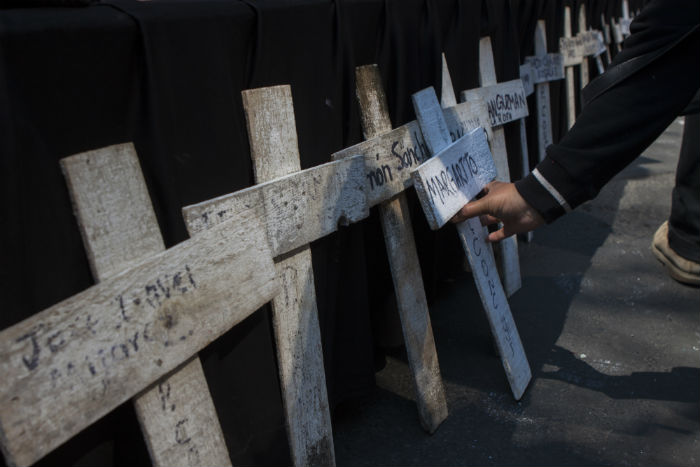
(501, 203)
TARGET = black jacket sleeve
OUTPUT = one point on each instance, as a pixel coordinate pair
(650, 82)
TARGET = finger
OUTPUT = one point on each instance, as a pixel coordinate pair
(488, 219)
(472, 209)
(497, 236)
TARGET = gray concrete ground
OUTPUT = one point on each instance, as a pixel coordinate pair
(613, 343)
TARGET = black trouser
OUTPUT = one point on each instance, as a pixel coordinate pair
(684, 223)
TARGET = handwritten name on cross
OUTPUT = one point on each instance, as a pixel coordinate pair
(462, 176)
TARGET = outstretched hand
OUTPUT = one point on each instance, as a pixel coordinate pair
(501, 203)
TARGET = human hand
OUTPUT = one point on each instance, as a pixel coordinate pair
(501, 203)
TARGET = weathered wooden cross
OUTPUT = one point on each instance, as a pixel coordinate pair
(546, 67)
(388, 156)
(505, 102)
(444, 183)
(152, 311)
(119, 227)
(297, 207)
(575, 51)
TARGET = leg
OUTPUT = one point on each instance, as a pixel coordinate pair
(684, 223)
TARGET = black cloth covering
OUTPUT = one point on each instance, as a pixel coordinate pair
(167, 75)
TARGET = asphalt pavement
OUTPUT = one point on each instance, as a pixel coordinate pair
(613, 343)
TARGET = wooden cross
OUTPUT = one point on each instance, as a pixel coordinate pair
(69, 365)
(626, 20)
(575, 51)
(456, 173)
(545, 70)
(389, 155)
(505, 102)
(119, 228)
(298, 207)
(583, 69)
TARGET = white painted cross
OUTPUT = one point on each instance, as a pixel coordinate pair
(455, 175)
(119, 228)
(388, 157)
(575, 50)
(544, 67)
(553, 69)
(505, 102)
(69, 365)
(626, 20)
(298, 207)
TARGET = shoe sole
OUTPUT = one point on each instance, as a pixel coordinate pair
(673, 270)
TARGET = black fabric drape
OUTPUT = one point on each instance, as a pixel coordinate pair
(167, 74)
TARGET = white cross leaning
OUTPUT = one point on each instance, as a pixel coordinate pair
(177, 415)
(388, 156)
(452, 177)
(296, 207)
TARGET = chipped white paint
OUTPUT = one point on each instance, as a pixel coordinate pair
(69, 365)
(454, 176)
(272, 135)
(119, 229)
(482, 263)
(403, 259)
(297, 208)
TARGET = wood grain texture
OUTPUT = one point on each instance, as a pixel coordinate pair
(406, 275)
(116, 220)
(483, 266)
(272, 136)
(72, 363)
(453, 177)
(505, 102)
(298, 208)
(389, 157)
(544, 115)
(510, 348)
(374, 106)
(448, 98)
(119, 228)
(508, 248)
(570, 94)
(432, 117)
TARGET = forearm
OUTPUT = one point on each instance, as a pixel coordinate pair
(613, 130)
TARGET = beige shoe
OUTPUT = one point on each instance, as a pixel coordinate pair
(681, 269)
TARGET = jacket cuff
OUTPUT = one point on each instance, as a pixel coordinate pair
(542, 189)
(539, 198)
